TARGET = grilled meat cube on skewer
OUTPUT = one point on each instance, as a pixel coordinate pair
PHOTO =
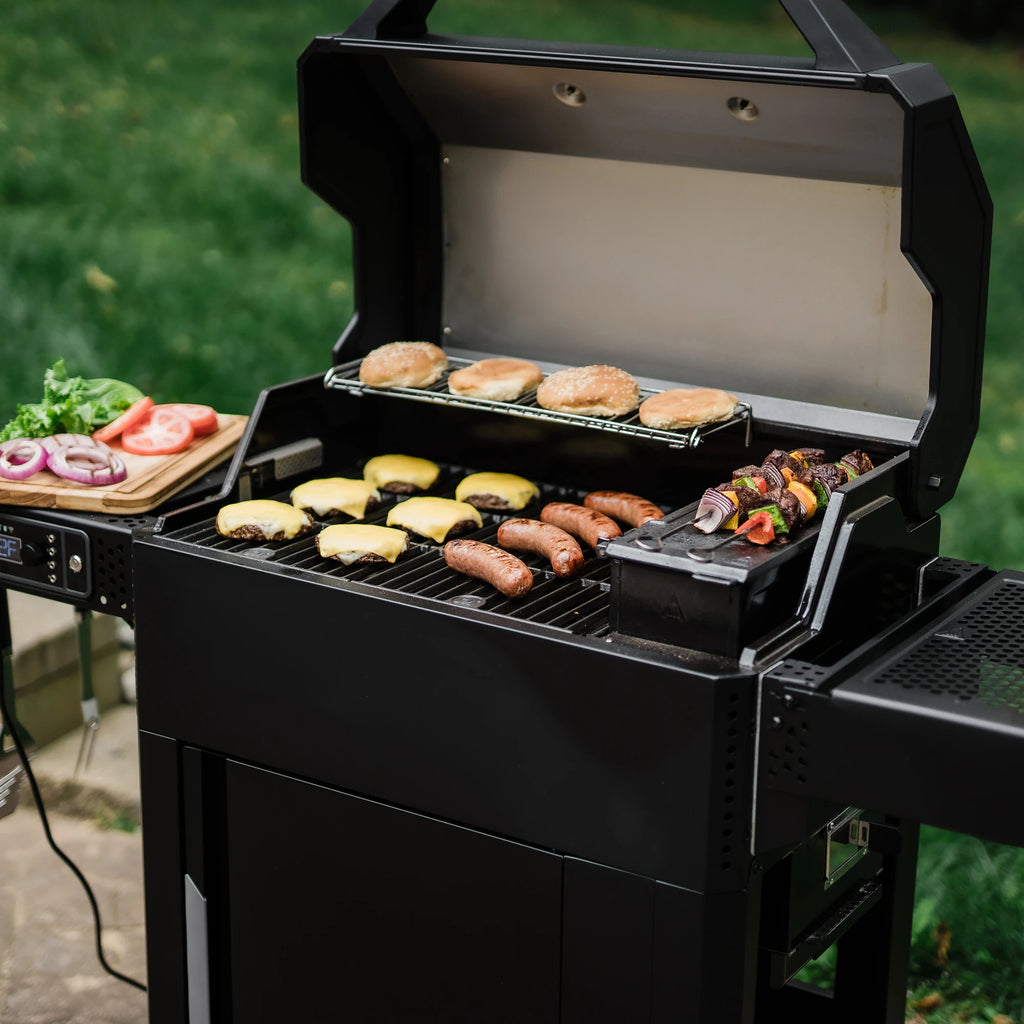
(856, 462)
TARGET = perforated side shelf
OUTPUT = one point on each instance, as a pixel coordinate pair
(933, 731)
(971, 664)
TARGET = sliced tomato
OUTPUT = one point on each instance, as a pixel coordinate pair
(162, 432)
(132, 415)
(202, 417)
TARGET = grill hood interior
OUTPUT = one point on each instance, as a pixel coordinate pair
(814, 239)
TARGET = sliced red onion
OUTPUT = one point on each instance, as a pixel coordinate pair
(21, 458)
(715, 509)
(772, 475)
(88, 464)
(57, 442)
(79, 439)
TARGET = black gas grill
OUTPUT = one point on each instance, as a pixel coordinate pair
(654, 791)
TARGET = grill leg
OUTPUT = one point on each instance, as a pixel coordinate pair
(874, 956)
(872, 959)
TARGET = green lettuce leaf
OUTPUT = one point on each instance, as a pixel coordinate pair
(73, 405)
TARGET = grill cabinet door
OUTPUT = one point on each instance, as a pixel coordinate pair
(931, 730)
(344, 907)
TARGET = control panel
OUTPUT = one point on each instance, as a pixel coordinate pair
(44, 558)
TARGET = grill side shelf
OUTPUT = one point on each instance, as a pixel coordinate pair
(346, 378)
(932, 731)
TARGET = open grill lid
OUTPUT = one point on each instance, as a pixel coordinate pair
(811, 234)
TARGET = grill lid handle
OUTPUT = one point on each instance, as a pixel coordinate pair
(839, 39)
(392, 19)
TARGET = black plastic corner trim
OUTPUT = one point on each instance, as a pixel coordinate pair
(839, 39)
(946, 235)
(392, 19)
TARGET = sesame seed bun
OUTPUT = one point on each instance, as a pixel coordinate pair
(686, 407)
(406, 364)
(590, 390)
(500, 380)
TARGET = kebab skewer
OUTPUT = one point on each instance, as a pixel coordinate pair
(764, 503)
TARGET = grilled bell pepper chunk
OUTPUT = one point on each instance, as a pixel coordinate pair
(774, 514)
(757, 483)
(733, 521)
(806, 497)
(759, 528)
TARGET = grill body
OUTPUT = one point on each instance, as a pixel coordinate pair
(526, 804)
(379, 764)
(395, 795)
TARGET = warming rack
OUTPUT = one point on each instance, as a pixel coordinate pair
(346, 378)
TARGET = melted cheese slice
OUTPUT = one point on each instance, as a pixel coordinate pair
(516, 490)
(335, 493)
(349, 541)
(432, 517)
(406, 469)
(270, 517)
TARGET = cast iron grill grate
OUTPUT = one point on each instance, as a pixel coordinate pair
(977, 656)
(578, 605)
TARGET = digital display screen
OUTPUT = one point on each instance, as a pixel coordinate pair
(10, 549)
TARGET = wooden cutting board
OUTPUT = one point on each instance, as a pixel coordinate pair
(151, 478)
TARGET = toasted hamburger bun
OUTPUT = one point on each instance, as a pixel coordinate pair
(500, 380)
(333, 495)
(263, 520)
(500, 492)
(687, 407)
(359, 543)
(590, 390)
(435, 518)
(401, 474)
(407, 364)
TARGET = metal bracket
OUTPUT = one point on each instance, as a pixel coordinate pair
(279, 464)
(846, 842)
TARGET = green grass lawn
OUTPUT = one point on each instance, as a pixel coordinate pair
(153, 227)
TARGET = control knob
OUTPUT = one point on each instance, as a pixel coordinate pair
(32, 554)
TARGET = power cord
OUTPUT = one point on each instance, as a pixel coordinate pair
(12, 726)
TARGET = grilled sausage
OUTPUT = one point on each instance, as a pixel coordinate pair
(485, 562)
(553, 543)
(586, 523)
(627, 508)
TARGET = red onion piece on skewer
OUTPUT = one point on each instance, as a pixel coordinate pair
(715, 509)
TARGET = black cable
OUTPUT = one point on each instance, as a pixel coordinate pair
(98, 926)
